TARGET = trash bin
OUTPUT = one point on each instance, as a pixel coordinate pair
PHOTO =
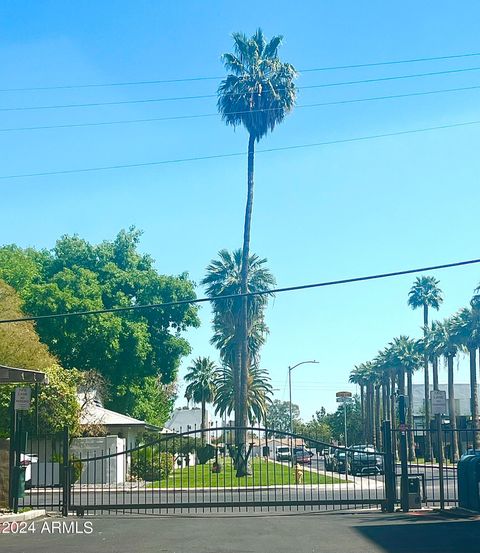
(18, 484)
(414, 497)
(473, 470)
(462, 482)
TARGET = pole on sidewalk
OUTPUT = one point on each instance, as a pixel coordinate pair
(389, 468)
(403, 455)
(440, 460)
(66, 473)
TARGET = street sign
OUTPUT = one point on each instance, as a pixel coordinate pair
(23, 397)
(344, 400)
(343, 394)
(439, 402)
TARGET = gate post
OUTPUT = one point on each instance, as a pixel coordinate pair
(403, 455)
(389, 468)
(66, 472)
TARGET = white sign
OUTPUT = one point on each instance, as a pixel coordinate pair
(439, 402)
(344, 400)
(23, 397)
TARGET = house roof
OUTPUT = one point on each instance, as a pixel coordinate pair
(93, 412)
(186, 419)
(9, 375)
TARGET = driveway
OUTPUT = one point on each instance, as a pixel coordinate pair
(288, 533)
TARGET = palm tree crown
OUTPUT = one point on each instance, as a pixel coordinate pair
(224, 278)
(259, 392)
(425, 292)
(259, 90)
(201, 379)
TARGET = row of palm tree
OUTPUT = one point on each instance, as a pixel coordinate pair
(391, 372)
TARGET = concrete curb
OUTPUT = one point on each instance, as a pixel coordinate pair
(23, 517)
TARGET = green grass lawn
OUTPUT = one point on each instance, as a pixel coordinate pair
(264, 474)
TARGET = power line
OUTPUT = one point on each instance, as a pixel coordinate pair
(193, 79)
(237, 154)
(216, 114)
(248, 294)
(205, 96)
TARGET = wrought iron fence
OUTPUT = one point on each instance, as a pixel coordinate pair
(196, 471)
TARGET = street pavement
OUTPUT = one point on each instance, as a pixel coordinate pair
(363, 532)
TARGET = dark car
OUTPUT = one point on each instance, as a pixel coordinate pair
(365, 460)
(302, 456)
(470, 452)
(339, 460)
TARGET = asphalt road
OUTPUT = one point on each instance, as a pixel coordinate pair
(314, 533)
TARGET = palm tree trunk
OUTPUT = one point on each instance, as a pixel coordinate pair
(378, 434)
(362, 408)
(411, 439)
(242, 415)
(372, 414)
(369, 418)
(435, 372)
(426, 381)
(451, 412)
(204, 417)
(385, 394)
(474, 396)
(393, 417)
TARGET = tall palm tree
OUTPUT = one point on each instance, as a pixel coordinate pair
(358, 377)
(257, 93)
(259, 393)
(426, 293)
(447, 346)
(224, 278)
(404, 354)
(465, 325)
(201, 377)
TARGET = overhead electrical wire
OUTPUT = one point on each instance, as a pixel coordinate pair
(193, 79)
(216, 114)
(206, 96)
(376, 276)
(237, 154)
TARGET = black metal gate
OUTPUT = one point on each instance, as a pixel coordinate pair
(194, 471)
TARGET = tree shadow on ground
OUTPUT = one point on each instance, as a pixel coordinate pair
(430, 537)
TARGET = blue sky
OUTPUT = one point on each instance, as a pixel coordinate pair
(319, 214)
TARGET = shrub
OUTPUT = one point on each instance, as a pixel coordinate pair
(149, 464)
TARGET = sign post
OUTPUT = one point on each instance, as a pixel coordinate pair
(439, 408)
(345, 398)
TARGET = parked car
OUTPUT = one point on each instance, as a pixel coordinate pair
(328, 456)
(26, 461)
(283, 454)
(470, 452)
(364, 459)
(339, 460)
(302, 456)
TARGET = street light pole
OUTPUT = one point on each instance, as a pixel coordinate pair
(290, 369)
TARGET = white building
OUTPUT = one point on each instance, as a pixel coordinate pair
(184, 419)
(462, 398)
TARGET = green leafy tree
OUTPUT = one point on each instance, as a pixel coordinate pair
(425, 293)
(257, 93)
(125, 348)
(201, 388)
(20, 347)
(278, 416)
